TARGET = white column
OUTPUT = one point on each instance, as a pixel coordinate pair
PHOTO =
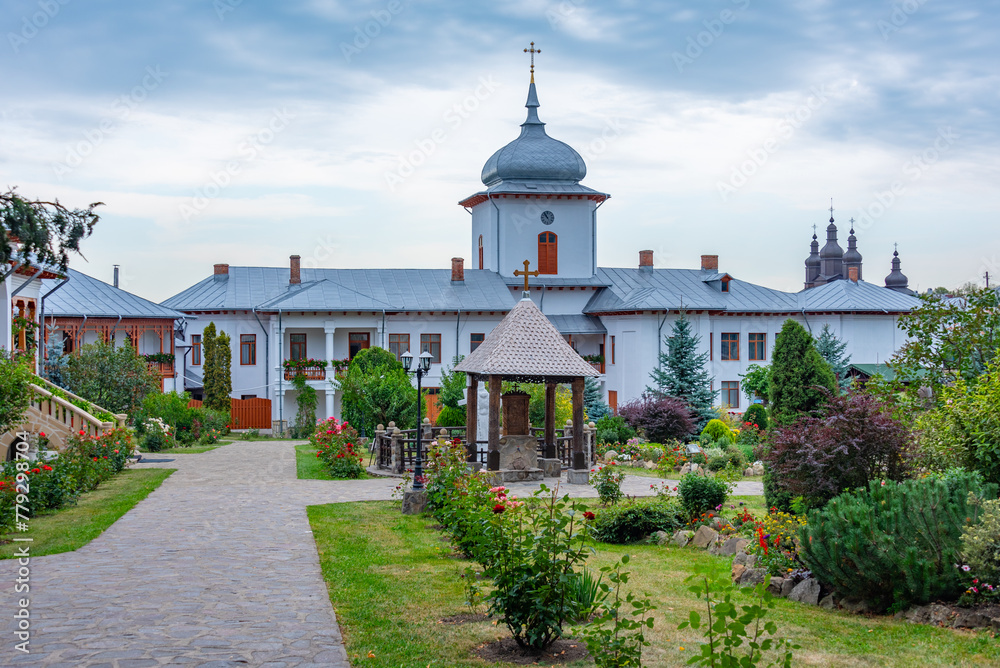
(328, 330)
(329, 402)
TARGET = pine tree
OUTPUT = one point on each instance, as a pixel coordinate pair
(681, 372)
(224, 360)
(593, 400)
(797, 374)
(832, 350)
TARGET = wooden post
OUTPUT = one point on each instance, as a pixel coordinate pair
(471, 417)
(550, 420)
(493, 457)
(579, 462)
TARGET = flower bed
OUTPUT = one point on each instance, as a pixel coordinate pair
(336, 445)
(86, 462)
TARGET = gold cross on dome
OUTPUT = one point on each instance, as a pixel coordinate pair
(532, 51)
(527, 273)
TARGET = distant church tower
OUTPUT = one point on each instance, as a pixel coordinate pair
(896, 280)
(832, 263)
(534, 207)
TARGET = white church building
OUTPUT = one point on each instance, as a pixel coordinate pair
(533, 207)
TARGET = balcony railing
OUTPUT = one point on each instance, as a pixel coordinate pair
(310, 372)
(599, 366)
(165, 369)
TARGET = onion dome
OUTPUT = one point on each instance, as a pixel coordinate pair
(896, 280)
(852, 256)
(534, 156)
(813, 259)
(832, 250)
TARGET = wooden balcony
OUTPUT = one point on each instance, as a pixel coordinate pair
(310, 372)
(165, 369)
(598, 365)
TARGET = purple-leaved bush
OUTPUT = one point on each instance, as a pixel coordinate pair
(663, 419)
(854, 441)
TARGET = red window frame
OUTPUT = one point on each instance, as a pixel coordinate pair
(399, 344)
(196, 350)
(358, 341)
(757, 346)
(731, 393)
(480, 251)
(431, 343)
(248, 349)
(730, 346)
(297, 346)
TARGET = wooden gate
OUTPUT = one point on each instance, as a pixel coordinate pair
(250, 414)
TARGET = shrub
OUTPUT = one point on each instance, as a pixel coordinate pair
(775, 496)
(717, 430)
(613, 429)
(981, 544)
(156, 436)
(531, 561)
(893, 543)
(701, 493)
(335, 444)
(736, 458)
(756, 414)
(631, 522)
(716, 462)
(662, 419)
(855, 441)
(450, 417)
(607, 480)
(620, 643)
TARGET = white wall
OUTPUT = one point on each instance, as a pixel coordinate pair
(5, 327)
(520, 225)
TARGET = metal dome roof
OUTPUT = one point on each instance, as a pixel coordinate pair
(853, 255)
(832, 249)
(534, 156)
(896, 278)
(813, 259)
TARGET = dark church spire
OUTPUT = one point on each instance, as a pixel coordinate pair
(896, 280)
(852, 258)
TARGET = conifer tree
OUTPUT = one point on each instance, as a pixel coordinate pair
(593, 400)
(682, 374)
(217, 364)
(832, 349)
(797, 375)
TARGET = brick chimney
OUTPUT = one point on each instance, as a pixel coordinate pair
(221, 272)
(710, 263)
(646, 258)
(295, 275)
(457, 269)
(852, 274)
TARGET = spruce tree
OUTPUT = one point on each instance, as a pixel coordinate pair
(593, 400)
(55, 358)
(682, 374)
(797, 375)
(832, 350)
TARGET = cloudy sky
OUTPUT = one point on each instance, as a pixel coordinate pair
(242, 132)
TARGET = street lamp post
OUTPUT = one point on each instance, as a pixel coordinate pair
(423, 366)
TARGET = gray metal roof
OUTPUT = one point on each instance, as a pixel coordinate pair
(86, 296)
(267, 289)
(546, 281)
(534, 155)
(577, 324)
(637, 289)
(851, 296)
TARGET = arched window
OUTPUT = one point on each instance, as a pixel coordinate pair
(480, 251)
(548, 253)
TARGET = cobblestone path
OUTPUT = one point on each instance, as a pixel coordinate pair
(215, 568)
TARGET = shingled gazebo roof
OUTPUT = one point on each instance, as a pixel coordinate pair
(526, 346)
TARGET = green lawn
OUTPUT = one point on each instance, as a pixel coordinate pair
(307, 465)
(392, 579)
(72, 527)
